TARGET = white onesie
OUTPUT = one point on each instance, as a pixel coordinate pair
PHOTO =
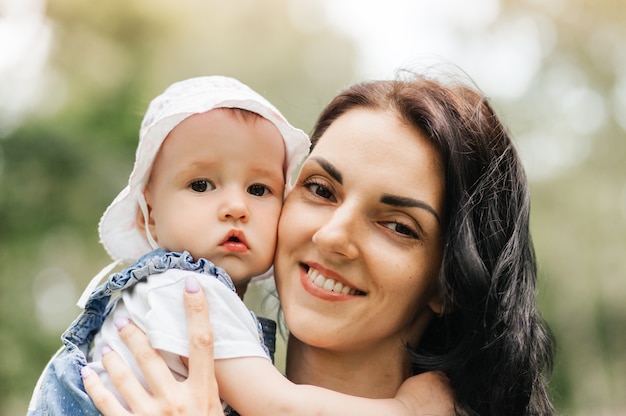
(156, 306)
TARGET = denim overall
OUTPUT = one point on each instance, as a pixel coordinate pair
(60, 389)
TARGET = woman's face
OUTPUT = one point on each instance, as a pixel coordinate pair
(360, 236)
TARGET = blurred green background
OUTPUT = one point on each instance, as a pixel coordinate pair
(76, 77)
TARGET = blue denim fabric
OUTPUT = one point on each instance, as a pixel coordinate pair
(61, 390)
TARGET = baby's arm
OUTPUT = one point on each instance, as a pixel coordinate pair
(427, 394)
(253, 386)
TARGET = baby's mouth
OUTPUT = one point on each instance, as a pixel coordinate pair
(235, 241)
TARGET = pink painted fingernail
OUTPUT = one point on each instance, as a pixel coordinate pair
(106, 349)
(121, 323)
(191, 284)
(85, 372)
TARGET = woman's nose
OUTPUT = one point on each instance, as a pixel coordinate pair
(338, 235)
(234, 206)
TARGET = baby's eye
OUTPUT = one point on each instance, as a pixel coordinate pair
(258, 190)
(201, 185)
(402, 229)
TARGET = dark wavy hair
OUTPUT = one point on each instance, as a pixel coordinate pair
(490, 340)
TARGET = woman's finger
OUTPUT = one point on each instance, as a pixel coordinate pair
(102, 397)
(153, 367)
(201, 380)
(123, 378)
(200, 335)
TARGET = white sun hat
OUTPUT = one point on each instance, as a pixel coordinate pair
(119, 233)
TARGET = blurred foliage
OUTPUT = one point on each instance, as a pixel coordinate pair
(61, 168)
(575, 109)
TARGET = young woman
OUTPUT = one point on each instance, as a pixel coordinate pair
(403, 249)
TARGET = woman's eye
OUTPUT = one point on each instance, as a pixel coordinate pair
(201, 185)
(258, 190)
(402, 229)
(319, 190)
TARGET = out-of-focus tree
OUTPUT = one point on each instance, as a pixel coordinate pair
(571, 127)
(62, 167)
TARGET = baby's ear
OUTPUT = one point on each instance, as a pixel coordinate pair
(141, 222)
(147, 218)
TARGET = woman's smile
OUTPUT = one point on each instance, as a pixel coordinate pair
(331, 287)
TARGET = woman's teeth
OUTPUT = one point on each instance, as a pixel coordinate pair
(329, 284)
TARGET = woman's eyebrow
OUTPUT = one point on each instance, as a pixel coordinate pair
(402, 201)
(329, 168)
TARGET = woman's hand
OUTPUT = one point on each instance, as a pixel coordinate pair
(198, 395)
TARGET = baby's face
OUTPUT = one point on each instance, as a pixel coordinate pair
(216, 190)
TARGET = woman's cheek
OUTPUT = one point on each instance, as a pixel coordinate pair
(289, 228)
(294, 219)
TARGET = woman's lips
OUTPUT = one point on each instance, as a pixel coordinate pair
(323, 286)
